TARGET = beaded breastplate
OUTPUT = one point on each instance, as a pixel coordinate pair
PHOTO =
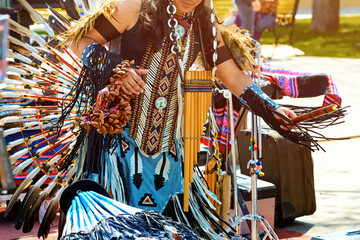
(154, 112)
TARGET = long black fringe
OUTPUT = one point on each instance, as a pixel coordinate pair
(208, 213)
(74, 151)
(300, 135)
(92, 79)
(330, 119)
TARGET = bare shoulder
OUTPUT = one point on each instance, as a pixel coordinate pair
(128, 5)
(127, 11)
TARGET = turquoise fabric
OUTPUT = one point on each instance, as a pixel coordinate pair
(150, 181)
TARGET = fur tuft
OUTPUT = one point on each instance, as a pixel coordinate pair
(87, 22)
(240, 46)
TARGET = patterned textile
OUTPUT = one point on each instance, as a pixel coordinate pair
(300, 84)
(220, 111)
(150, 180)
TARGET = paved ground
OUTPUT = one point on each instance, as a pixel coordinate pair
(337, 181)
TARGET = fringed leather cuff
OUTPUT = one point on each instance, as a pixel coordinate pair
(256, 90)
(260, 104)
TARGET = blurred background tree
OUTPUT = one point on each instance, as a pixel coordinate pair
(325, 15)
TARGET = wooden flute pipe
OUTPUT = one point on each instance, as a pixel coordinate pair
(186, 174)
(187, 152)
(314, 114)
(192, 128)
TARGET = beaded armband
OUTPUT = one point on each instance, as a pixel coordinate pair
(87, 53)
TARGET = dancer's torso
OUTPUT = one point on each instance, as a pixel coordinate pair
(154, 113)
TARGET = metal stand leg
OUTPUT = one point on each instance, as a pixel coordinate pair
(255, 169)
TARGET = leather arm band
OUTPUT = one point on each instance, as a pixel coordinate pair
(105, 28)
(224, 54)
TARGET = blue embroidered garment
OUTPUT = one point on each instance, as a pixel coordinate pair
(150, 180)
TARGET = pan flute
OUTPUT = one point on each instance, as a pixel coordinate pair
(197, 100)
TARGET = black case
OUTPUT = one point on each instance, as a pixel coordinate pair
(289, 167)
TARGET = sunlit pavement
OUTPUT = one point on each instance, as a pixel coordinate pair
(337, 178)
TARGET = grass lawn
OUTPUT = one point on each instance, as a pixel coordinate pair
(345, 43)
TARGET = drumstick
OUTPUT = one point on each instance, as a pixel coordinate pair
(314, 114)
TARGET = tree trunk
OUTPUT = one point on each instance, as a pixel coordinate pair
(325, 15)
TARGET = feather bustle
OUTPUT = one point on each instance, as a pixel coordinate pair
(25, 184)
(33, 13)
(26, 205)
(13, 149)
(16, 27)
(59, 16)
(61, 225)
(30, 218)
(48, 218)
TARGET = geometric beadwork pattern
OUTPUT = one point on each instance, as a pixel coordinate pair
(170, 63)
(164, 86)
(156, 109)
(158, 117)
(153, 140)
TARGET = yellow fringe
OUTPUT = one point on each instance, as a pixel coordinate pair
(240, 46)
(86, 23)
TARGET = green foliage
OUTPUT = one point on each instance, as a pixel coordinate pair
(344, 43)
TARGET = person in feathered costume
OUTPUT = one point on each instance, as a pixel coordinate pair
(147, 148)
(120, 119)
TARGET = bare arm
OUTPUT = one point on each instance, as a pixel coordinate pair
(124, 17)
(230, 74)
(236, 81)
